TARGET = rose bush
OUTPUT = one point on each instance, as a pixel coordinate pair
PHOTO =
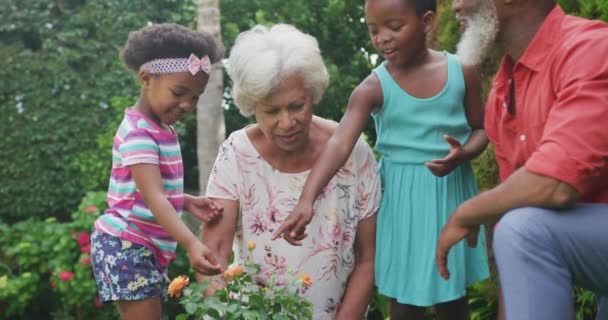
(238, 295)
(45, 267)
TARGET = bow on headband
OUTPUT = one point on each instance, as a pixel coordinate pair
(195, 64)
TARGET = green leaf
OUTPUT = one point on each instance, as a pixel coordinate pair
(191, 308)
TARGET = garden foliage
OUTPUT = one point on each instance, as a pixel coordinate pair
(46, 267)
(60, 72)
(63, 92)
(239, 295)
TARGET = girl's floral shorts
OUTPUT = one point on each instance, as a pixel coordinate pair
(125, 270)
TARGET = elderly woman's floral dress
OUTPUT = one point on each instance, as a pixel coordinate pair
(266, 196)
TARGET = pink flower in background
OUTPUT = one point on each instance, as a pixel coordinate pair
(66, 276)
(86, 248)
(85, 261)
(83, 239)
(90, 209)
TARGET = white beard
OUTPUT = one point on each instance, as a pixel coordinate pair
(479, 35)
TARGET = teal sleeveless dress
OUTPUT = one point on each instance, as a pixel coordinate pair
(415, 203)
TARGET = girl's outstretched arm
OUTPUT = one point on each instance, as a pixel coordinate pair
(365, 99)
(219, 236)
(478, 139)
(148, 180)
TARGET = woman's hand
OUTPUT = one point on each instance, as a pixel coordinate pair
(203, 208)
(202, 260)
(443, 167)
(294, 226)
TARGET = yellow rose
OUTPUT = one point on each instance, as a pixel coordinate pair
(251, 245)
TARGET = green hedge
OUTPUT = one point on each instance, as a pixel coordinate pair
(60, 71)
(45, 268)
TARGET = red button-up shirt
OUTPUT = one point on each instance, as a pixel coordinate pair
(559, 127)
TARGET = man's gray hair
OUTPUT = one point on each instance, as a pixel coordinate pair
(261, 58)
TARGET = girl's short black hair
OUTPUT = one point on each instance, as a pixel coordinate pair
(423, 6)
(167, 40)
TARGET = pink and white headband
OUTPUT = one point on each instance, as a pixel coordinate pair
(173, 65)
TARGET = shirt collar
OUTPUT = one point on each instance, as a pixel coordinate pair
(504, 72)
(535, 55)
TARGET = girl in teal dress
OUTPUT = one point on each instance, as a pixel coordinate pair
(429, 122)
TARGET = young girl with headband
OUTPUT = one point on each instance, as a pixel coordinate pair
(135, 239)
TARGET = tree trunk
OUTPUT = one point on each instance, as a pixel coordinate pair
(211, 129)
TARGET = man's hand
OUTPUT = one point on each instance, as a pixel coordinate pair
(293, 228)
(451, 233)
(203, 208)
(443, 167)
(472, 237)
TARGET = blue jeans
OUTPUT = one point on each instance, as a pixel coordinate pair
(542, 253)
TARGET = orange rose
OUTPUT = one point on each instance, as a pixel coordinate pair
(229, 274)
(176, 286)
(251, 245)
(233, 271)
(306, 280)
(238, 270)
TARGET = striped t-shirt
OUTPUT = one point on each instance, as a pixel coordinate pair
(139, 140)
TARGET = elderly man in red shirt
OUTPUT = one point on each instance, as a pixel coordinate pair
(547, 116)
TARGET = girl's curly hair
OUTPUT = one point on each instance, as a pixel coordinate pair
(167, 40)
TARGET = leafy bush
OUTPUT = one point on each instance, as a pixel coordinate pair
(60, 71)
(46, 269)
(586, 304)
(243, 297)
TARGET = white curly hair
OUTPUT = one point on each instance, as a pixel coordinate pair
(262, 57)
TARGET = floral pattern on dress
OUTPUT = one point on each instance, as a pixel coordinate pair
(266, 196)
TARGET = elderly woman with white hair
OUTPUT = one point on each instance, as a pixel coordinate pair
(278, 76)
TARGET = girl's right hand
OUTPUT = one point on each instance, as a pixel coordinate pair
(443, 167)
(202, 260)
(293, 228)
